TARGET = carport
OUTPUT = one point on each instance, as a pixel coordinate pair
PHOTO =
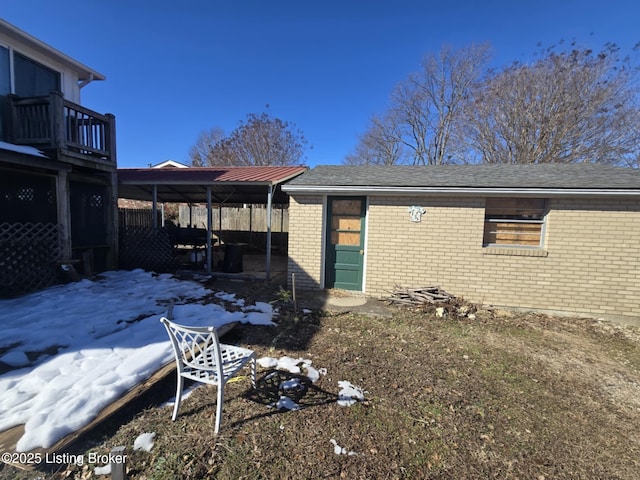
(209, 185)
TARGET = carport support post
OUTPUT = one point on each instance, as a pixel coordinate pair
(154, 206)
(220, 224)
(209, 229)
(269, 198)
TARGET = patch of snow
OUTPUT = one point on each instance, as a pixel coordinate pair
(106, 470)
(263, 307)
(227, 297)
(290, 384)
(312, 373)
(108, 337)
(260, 314)
(338, 450)
(258, 318)
(293, 365)
(349, 394)
(22, 149)
(285, 403)
(290, 364)
(267, 362)
(230, 298)
(144, 441)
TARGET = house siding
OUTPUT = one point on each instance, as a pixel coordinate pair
(590, 262)
(69, 78)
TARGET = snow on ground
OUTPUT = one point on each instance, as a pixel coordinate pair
(292, 365)
(338, 450)
(144, 441)
(80, 346)
(348, 395)
(22, 149)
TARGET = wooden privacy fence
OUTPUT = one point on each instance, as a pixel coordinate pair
(137, 217)
(250, 219)
(29, 256)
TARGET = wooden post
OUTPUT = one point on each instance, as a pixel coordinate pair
(113, 223)
(64, 214)
(111, 138)
(56, 120)
(117, 463)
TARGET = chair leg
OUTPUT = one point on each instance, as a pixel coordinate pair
(219, 407)
(176, 405)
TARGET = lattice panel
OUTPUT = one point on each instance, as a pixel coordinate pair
(147, 248)
(28, 256)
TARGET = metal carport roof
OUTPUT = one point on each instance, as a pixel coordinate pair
(189, 185)
(221, 185)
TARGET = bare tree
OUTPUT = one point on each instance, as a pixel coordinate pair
(425, 108)
(572, 106)
(201, 154)
(260, 140)
(381, 144)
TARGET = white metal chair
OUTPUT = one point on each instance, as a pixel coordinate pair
(201, 357)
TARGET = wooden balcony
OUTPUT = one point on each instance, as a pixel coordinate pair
(64, 130)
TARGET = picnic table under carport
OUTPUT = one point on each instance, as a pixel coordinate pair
(257, 185)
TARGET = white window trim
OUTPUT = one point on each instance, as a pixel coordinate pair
(44, 63)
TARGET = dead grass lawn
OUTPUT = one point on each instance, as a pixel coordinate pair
(522, 396)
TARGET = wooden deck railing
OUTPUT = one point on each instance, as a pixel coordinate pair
(53, 123)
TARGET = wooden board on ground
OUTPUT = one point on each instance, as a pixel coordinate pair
(9, 438)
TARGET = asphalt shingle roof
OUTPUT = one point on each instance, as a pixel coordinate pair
(553, 176)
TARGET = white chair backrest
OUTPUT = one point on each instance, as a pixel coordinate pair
(195, 347)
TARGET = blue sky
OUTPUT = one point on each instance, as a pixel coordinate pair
(177, 68)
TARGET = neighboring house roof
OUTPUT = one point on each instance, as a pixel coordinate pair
(506, 179)
(189, 185)
(84, 73)
(169, 164)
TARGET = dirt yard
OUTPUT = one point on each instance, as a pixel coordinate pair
(508, 396)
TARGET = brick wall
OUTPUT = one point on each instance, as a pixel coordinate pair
(305, 241)
(590, 263)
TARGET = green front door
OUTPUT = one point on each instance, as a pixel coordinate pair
(345, 242)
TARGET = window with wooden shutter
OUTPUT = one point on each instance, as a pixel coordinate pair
(514, 221)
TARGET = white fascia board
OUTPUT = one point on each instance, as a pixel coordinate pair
(459, 191)
(196, 183)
